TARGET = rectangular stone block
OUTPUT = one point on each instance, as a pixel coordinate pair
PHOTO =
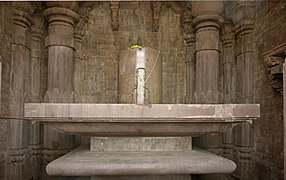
(140, 144)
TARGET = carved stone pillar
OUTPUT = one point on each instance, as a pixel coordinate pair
(242, 14)
(228, 66)
(35, 144)
(190, 40)
(60, 45)
(207, 23)
(17, 154)
(207, 26)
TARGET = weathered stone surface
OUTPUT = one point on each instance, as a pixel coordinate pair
(130, 119)
(155, 111)
(82, 162)
(132, 144)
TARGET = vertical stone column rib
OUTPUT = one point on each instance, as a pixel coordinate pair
(17, 152)
(242, 14)
(228, 61)
(35, 145)
(190, 39)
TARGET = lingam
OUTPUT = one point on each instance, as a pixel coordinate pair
(139, 135)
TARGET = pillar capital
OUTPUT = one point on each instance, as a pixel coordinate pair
(188, 30)
(72, 5)
(239, 10)
(208, 20)
(207, 7)
(59, 14)
(228, 34)
(243, 27)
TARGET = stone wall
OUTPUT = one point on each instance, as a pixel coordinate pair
(101, 47)
(270, 32)
(6, 25)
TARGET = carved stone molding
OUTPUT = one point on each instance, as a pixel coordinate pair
(16, 155)
(114, 6)
(275, 69)
(188, 30)
(238, 10)
(80, 28)
(275, 59)
(156, 9)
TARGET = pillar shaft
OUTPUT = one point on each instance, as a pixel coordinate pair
(190, 40)
(17, 153)
(207, 58)
(228, 61)
(207, 27)
(60, 45)
(35, 143)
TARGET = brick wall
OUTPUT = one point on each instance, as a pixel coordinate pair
(101, 47)
(270, 27)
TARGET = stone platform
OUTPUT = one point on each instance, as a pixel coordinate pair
(83, 162)
(136, 120)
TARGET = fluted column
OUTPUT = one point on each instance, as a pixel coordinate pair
(17, 153)
(35, 143)
(189, 37)
(207, 23)
(61, 17)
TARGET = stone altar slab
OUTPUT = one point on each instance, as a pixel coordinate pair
(135, 120)
(83, 162)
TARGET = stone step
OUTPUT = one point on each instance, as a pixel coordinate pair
(83, 162)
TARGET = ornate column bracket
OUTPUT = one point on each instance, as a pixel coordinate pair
(188, 30)
(156, 9)
(80, 28)
(23, 21)
(275, 59)
(114, 7)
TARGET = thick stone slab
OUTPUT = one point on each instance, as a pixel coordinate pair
(133, 144)
(68, 112)
(134, 120)
(82, 162)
